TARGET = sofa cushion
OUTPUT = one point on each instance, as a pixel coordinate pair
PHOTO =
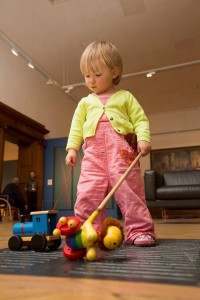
(178, 192)
(182, 178)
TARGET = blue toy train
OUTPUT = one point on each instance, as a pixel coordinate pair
(37, 234)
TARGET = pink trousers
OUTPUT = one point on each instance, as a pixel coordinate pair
(102, 166)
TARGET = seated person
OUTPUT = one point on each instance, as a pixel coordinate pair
(15, 196)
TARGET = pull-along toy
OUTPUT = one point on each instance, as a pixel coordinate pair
(83, 240)
(37, 234)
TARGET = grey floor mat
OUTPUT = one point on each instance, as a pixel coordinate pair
(171, 261)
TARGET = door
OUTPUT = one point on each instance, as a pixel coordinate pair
(31, 159)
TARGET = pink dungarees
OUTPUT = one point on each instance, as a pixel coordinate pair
(102, 167)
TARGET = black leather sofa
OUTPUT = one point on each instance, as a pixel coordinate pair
(172, 190)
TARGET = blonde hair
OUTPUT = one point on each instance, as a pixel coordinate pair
(102, 53)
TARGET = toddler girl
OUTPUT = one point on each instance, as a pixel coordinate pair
(103, 120)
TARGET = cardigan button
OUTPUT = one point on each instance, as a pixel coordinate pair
(111, 118)
(118, 130)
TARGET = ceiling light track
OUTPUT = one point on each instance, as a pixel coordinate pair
(147, 73)
(68, 88)
(17, 51)
(162, 69)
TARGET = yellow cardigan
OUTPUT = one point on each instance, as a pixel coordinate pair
(122, 110)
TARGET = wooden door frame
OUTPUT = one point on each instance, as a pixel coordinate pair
(19, 129)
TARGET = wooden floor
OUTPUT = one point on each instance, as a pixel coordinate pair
(30, 287)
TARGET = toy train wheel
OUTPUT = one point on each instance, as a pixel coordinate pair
(55, 244)
(38, 243)
(15, 243)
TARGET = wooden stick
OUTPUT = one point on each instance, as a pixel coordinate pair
(110, 194)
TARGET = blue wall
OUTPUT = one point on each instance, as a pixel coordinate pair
(49, 165)
(49, 175)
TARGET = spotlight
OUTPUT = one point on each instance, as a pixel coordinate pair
(69, 89)
(49, 81)
(31, 65)
(150, 74)
(14, 51)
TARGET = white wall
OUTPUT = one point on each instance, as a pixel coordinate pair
(25, 90)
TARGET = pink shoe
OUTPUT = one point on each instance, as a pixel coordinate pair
(144, 240)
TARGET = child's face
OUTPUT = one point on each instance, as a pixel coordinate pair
(100, 81)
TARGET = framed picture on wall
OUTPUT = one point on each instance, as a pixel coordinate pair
(175, 159)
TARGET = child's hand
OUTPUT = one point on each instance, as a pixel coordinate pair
(71, 157)
(143, 147)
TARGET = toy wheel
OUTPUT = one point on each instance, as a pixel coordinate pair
(73, 254)
(38, 243)
(15, 243)
(55, 244)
